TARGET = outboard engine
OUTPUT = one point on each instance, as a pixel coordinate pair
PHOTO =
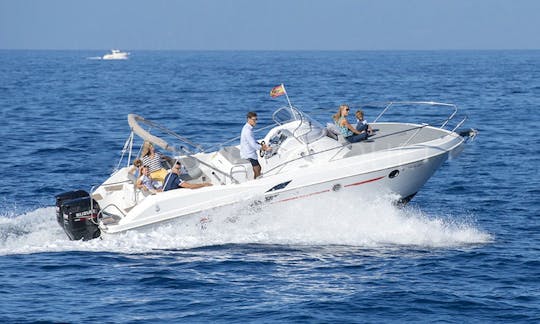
(77, 216)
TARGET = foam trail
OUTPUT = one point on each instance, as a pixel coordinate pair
(333, 221)
(375, 223)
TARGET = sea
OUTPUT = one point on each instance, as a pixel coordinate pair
(466, 249)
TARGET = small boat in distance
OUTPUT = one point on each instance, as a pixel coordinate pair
(116, 54)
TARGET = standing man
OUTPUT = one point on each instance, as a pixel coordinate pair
(248, 145)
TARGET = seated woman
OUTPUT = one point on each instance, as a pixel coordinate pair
(146, 183)
(152, 159)
(351, 134)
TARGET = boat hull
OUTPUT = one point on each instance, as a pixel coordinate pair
(398, 183)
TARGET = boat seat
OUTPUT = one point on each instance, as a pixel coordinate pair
(232, 154)
(333, 133)
(192, 167)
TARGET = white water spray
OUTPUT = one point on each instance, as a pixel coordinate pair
(335, 220)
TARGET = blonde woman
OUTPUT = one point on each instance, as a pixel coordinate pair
(346, 129)
(152, 159)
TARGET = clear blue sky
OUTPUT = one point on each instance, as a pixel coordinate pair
(269, 25)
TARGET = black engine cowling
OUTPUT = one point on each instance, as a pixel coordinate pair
(77, 216)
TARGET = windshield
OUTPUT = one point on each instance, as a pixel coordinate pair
(308, 130)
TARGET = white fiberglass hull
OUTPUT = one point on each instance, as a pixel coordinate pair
(399, 181)
(304, 160)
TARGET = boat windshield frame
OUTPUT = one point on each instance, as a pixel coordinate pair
(289, 114)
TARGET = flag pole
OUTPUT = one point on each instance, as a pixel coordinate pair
(286, 95)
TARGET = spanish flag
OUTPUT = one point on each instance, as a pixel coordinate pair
(277, 91)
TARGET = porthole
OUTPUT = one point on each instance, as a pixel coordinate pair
(336, 187)
(393, 174)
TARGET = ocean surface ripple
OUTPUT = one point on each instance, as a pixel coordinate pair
(466, 249)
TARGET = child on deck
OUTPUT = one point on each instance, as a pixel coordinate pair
(362, 125)
(146, 183)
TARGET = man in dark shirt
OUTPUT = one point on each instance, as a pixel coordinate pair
(173, 181)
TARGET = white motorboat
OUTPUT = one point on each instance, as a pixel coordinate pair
(306, 160)
(116, 54)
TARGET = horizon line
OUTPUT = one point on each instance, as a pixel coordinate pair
(272, 50)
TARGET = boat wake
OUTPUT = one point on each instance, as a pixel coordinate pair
(370, 224)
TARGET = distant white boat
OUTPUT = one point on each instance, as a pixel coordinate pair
(116, 55)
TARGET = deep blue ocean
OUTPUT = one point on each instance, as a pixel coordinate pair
(466, 249)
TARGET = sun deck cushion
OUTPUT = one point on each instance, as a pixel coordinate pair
(332, 135)
(232, 154)
(333, 132)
